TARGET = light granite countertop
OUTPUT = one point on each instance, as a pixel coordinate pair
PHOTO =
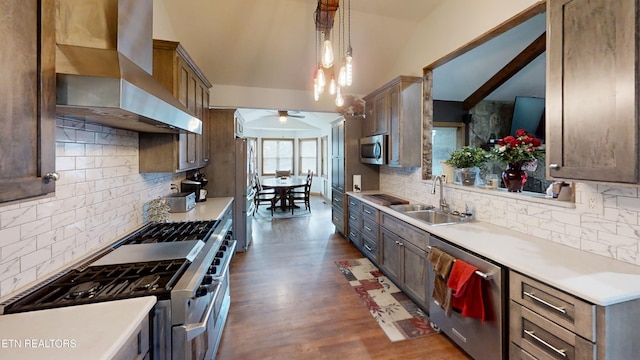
(597, 279)
(92, 331)
(212, 209)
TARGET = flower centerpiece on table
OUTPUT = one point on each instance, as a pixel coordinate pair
(467, 161)
(518, 152)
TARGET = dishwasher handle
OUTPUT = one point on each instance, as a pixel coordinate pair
(485, 276)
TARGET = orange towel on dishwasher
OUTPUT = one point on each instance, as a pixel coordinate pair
(466, 289)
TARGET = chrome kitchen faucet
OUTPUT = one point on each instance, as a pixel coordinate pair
(443, 204)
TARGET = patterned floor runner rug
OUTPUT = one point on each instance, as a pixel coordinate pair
(398, 316)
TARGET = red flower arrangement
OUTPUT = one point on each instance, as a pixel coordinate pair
(522, 148)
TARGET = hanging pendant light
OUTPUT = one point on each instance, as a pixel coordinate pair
(322, 80)
(348, 68)
(349, 62)
(339, 98)
(342, 74)
(332, 85)
(327, 52)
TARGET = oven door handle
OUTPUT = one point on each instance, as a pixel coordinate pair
(193, 330)
(225, 267)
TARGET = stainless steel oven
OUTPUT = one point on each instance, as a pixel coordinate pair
(373, 150)
(184, 264)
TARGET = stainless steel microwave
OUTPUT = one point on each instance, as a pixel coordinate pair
(373, 150)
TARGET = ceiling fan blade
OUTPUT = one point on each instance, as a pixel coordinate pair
(297, 116)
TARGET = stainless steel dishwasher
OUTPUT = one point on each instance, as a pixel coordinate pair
(478, 339)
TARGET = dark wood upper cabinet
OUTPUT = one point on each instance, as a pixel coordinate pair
(178, 73)
(592, 90)
(27, 99)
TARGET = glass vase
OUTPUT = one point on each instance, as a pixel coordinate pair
(465, 176)
(514, 177)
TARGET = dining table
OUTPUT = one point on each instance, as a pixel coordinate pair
(282, 187)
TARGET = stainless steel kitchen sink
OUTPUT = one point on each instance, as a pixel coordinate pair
(428, 214)
(435, 217)
(411, 207)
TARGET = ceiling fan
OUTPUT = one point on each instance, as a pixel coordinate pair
(284, 114)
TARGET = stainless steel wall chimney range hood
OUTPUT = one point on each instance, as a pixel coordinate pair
(104, 60)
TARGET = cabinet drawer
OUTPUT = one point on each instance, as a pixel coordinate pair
(406, 231)
(574, 314)
(337, 199)
(370, 229)
(355, 236)
(370, 248)
(515, 353)
(355, 217)
(370, 212)
(137, 346)
(337, 218)
(354, 205)
(544, 339)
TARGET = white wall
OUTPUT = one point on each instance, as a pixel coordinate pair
(98, 199)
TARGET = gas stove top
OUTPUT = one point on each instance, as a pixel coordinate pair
(156, 232)
(104, 283)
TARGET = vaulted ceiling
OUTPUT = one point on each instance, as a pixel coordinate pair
(271, 44)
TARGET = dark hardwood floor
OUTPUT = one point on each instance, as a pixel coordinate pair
(290, 301)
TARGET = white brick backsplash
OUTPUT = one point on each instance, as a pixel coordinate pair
(628, 203)
(49, 266)
(46, 239)
(9, 269)
(610, 229)
(98, 199)
(65, 163)
(35, 258)
(9, 236)
(602, 225)
(18, 281)
(18, 249)
(565, 217)
(18, 216)
(35, 228)
(74, 149)
(93, 150)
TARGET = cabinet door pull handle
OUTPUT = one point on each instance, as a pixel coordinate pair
(367, 228)
(554, 166)
(400, 244)
(368, 247)
(368, 212)
(560, 352)
(556, 308)
(51, 176)
(352, 218)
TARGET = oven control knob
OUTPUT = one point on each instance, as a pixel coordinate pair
(208, 279)
(223, 248)
(212, 270)
(216, 261)
(202, 291)
(219, 254)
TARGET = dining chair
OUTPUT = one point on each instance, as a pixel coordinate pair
(263, 195)
(283, 173)
(296, 195)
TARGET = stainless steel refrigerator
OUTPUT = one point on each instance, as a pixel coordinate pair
(244, 192)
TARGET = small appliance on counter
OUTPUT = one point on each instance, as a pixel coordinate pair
(181, 202)
(196, 183)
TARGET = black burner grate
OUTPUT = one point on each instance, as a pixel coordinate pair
(170, 232)
(105, 283)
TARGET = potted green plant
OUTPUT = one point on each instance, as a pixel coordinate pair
(467, 162)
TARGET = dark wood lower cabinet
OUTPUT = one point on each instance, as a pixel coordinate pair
(406, 264)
